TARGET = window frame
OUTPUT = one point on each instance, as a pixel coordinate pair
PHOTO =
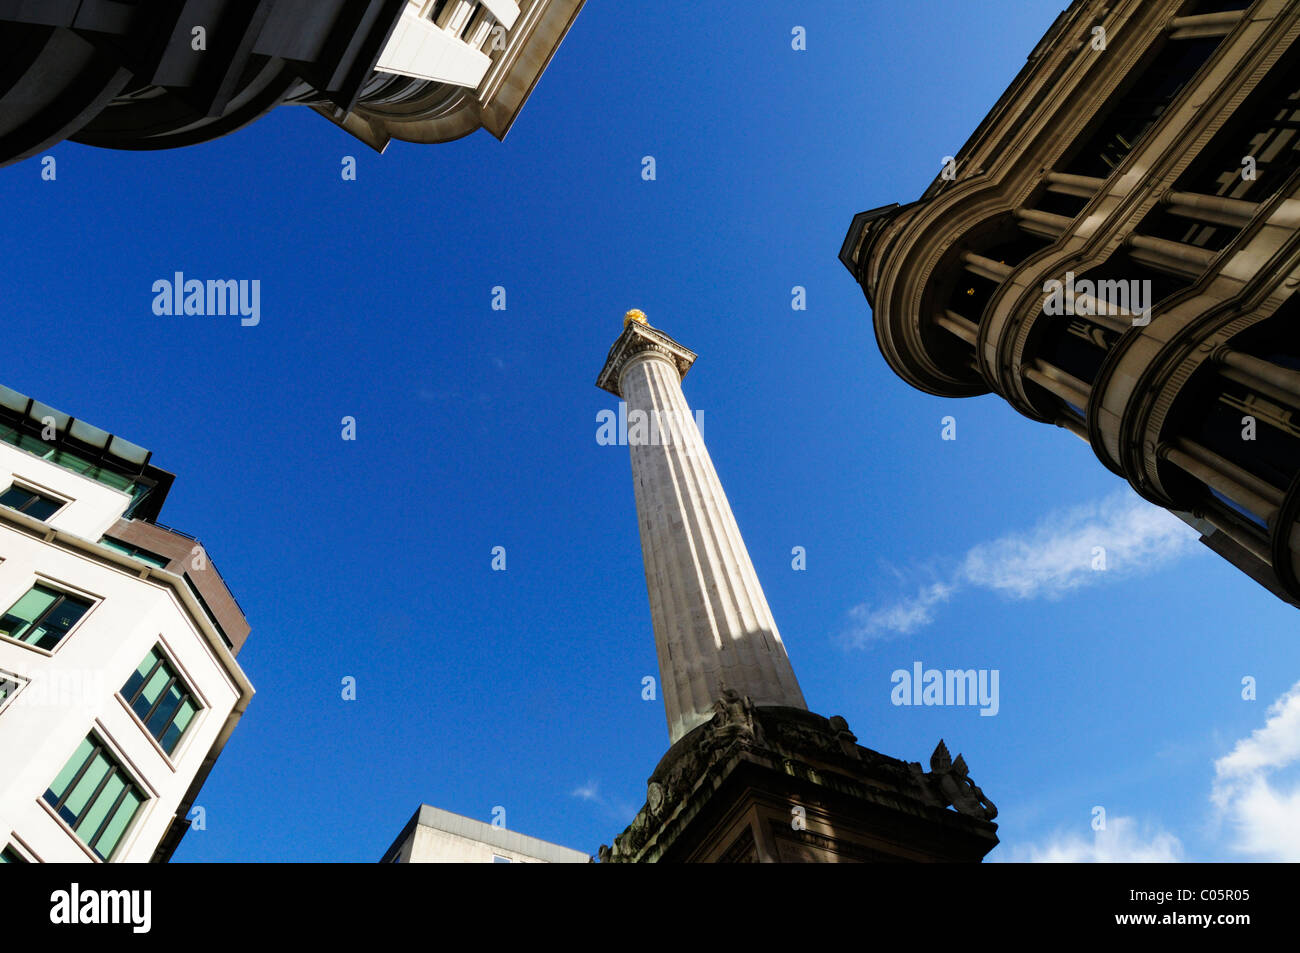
(99, 747)
(18, 682)
(64, 592)
(9, 854)
(147, 556)
(178, 676)
(40, 493)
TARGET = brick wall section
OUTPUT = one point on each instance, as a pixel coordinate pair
(179, 551)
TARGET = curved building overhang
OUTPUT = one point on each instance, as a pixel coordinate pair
(1118, 162)
(1021, 138)
(53, 82)
(439, 112)
(157, 118)
(897, 276)
(139, 76)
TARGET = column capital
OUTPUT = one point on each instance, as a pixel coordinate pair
(637, 338)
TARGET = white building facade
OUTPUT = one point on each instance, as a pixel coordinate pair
(118, 680)
(444, 40)
(435, 836)
(450, 67)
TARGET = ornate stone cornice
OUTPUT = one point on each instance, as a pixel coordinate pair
(636, 339)
(1026, 145)
(798, 744)
(437, 112)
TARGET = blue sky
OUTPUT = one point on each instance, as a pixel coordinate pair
(476, 428)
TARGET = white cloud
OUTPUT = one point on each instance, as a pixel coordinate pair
(618, 810)
(1117, 537)
(901, 618)
(587, 792)
(1255, 797)
(1058, 555)
(1262, 810)
(1123, 841)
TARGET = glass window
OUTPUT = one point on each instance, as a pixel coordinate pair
(43, 617)
(153, 559)
(24, 441)
(1265, 128)
(11, 856)
(96, 797)
(9, 684)
(1149, 93)
(161, 700)
(30, 502)
(71, 461)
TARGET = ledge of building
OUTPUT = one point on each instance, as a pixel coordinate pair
(444, 113)
(438, 819)
(749, 767)
(187, 558)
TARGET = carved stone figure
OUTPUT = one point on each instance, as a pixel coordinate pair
(953, 780)
(847, 739)
(733, 716)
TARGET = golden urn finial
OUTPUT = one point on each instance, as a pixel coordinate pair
(634, 315)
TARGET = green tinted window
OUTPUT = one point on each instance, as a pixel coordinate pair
(153, 559)
(184, 715)
(27, 610)
(141, 674)
(94, 772)
(96, 797)
(79, 464)
(25, 442)
(64, 780)
(116, 825)
(42, 617)
(8, 685)
(161, 699)
(69, 460)
(30, 502)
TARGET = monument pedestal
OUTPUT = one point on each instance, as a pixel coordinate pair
(784, 785)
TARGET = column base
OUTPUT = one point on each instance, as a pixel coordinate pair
(785, 785)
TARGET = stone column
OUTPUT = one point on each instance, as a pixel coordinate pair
(713, 628)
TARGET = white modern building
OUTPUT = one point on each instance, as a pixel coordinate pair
(118, 680)
(435, 836)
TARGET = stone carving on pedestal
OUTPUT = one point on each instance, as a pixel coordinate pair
(952, 779)
(733, 718)
(794, 743)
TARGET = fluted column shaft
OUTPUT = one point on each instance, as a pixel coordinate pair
(713, 628)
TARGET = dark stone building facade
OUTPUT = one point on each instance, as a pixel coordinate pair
(1116, 251)
(768, 784)
(158, 74)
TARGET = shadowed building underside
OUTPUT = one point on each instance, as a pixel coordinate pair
(158, 74)
(1116, 251)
